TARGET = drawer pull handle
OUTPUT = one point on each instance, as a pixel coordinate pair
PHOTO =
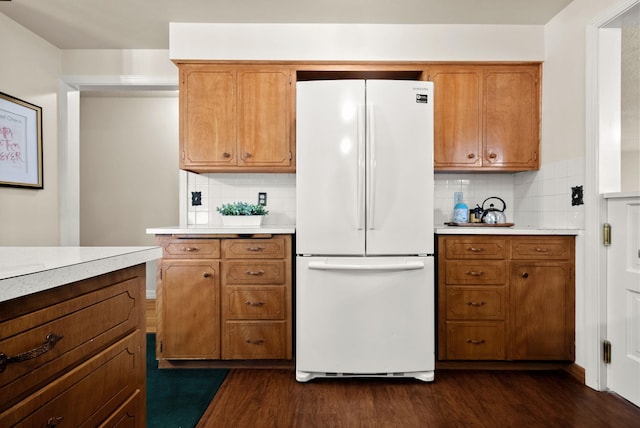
(524, 275)
(255, 273)
(475, 341)
(49, 342)
(190, 249)
(255, 342)
(473, 273)
(475, 250)
(250, 303)
(53, 422)
(470, 303)
(255, 249)
(541, 250)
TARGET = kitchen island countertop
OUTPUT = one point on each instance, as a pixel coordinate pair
(28, 270)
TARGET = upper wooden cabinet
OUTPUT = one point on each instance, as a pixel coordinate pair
(486, 117)
(236, 118)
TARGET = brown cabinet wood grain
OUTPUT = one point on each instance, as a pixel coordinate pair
(225, 299)
(486, 117)
(236, 118)
(94, 372)
(506, 298)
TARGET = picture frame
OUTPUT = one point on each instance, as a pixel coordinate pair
(20, 143)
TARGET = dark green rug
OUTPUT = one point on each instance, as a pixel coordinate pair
(177, 398)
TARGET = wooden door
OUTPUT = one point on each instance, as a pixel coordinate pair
(190, 296)
(208, 127)
(457, 117)
(264, 124)
(542, 311)
(511, 118)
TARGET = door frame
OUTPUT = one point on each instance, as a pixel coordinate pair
(595, 277)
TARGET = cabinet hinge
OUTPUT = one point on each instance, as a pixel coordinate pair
(606, 352)
(606, 234)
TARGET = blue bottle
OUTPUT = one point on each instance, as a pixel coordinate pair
(460, 209)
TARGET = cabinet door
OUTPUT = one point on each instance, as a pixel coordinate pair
(511, 118)
(457, 117)
(542, 311)
(207, 117)
(264, 118)
(190, 295)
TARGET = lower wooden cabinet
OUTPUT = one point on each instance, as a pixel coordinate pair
(506, 298)
(225, 298)
(76, 354)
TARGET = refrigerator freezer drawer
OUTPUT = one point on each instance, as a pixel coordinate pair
(365, 316)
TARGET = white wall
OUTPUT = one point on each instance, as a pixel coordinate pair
(29, 71)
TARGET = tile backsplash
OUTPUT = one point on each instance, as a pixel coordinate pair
(533, 199)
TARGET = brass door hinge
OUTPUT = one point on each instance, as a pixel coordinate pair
(606, 352)
(606, 234)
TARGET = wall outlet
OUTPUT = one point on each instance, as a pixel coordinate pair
(577, 196)
(196, 198)
(262, 198)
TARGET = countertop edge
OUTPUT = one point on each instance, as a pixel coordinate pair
(106, 259)
(222, 230)
(457, 230)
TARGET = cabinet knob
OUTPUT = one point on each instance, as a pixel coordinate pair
(226, 155)
(524, 275)
(471, 155)
(207, 274)
(247, 155)
(53, 422)
(492, 155)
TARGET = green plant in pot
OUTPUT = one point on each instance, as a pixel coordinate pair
(242, 214)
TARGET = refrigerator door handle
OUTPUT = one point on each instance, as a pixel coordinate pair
(364, 267)
(372, 165)
(360, 212)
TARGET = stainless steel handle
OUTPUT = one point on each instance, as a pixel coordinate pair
(371, 181)
(360, 169)
(381, 267)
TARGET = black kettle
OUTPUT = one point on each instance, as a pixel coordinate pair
(492, 215)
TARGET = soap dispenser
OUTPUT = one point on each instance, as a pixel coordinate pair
(460, 209)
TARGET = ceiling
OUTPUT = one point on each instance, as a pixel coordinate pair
(144, 24)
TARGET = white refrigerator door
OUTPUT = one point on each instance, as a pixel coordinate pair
(399, 167)
(365, 316)
(330, 167)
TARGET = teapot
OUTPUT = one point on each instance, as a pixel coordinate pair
(492, 215)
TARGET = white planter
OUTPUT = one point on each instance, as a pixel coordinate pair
(242, 220)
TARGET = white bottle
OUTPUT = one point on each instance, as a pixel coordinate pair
(460, 209)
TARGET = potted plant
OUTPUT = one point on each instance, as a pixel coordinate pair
(242, 214)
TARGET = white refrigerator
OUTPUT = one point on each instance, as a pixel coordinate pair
(364, 229)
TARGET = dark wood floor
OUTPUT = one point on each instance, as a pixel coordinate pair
(272, 398)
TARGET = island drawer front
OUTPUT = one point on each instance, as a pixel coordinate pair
(475, 340)
(246, 340)
(475, 248)
(273, 248)
(475, 272)
(254, 272)
(547, 248)
(191, 249)
(481, 303)
(86, 324)
(105, 378)
(262, 302)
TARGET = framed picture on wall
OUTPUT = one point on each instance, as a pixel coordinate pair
(20, 143)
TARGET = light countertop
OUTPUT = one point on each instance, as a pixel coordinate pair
(28, 270)
(222, 230)
(492, 230)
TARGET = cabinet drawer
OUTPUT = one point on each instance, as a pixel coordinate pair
(273, 248)
(192, 249)
(475, 273)
(88, 394)
(475, 340)
(476, 303)
(85, 324)
(542, 248)
(475, 248)
(255, 302)
(255, 272)
(247, 340)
